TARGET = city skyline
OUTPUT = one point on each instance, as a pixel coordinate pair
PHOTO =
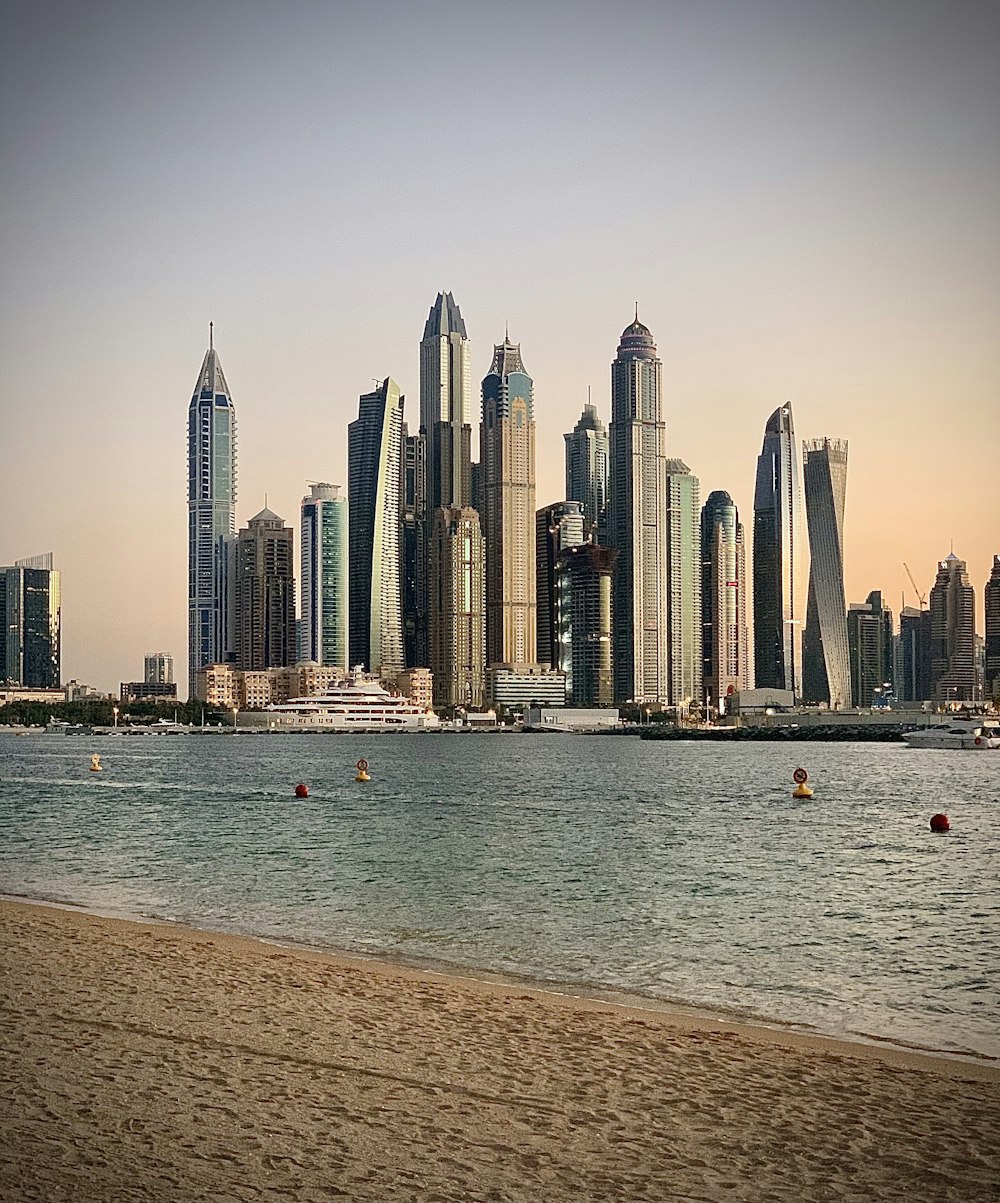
(834, 245)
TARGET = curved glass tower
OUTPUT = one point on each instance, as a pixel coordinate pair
(826, 661)
(211, 514)
(778, 595)
(374, 475)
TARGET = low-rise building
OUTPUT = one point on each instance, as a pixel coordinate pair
(515, 687)
(417, 684)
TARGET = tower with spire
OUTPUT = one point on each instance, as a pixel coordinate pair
(637, 519)
(211, 514)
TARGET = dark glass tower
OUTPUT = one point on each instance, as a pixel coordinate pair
(31, 613)
(992, 649)
(777, 553)
(211, 515)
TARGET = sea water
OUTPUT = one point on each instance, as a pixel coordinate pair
(678, 872)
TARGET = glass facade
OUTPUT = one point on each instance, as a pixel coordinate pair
(31, 611)
(324, 577)
(778, 595)
(211, 517)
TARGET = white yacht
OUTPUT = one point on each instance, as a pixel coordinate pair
(975, 734)
(360, 704)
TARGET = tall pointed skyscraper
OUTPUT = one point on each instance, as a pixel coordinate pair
(637, 519)
(374, 483)
(507, 455)
(778, 595)
(587, 467)
(826, 662)
(211, 515)
(446, 405)
(452, 552)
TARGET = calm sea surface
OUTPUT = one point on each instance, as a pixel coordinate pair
(676, 871)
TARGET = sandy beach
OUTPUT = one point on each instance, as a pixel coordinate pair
(152, 1061)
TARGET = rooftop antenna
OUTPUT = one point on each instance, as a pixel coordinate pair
(375, 380)
(637, 311)
(211, 336)
(588, 394)
(506, 330)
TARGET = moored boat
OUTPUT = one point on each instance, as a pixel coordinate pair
(967, 734)
(361, 704)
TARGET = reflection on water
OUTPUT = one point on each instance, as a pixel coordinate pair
(678, 871)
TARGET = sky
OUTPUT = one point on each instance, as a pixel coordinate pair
(802, 198)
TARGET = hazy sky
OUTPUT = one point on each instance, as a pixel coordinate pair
(803, 198)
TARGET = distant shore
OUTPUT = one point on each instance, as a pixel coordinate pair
(153, 1061)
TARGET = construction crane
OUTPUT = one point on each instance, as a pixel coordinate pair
(921, 597)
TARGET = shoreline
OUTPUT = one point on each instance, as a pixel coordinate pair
(149, 1060)
(675, 1012)
(718, 1018)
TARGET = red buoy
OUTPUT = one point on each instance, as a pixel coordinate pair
(940, 822)
(301, 791)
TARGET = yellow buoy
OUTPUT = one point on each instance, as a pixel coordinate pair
(95, 763)
(800, 777)
(362, 767)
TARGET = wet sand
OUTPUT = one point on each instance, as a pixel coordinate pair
(152, 1061)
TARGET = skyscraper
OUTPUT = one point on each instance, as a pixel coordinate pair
(724, 651)
(583, 622)
(323, 577)
(557, 527)
(587, 467)
(869, 639)
(637, 519)
(507, 455)
(158, 668)
(458, 637)
(413, 550)
(914, 684)
(211, 514)
(778, 595)
(31, 613)
(953, 610)
(826, 665)
(374, 479)
(684, 585)
(446, 404)
(991, 672)
(445, 415)
(264, 594)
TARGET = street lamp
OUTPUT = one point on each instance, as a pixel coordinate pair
(114, 711)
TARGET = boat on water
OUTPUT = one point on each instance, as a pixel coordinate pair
(966, 734)
(360, 704)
